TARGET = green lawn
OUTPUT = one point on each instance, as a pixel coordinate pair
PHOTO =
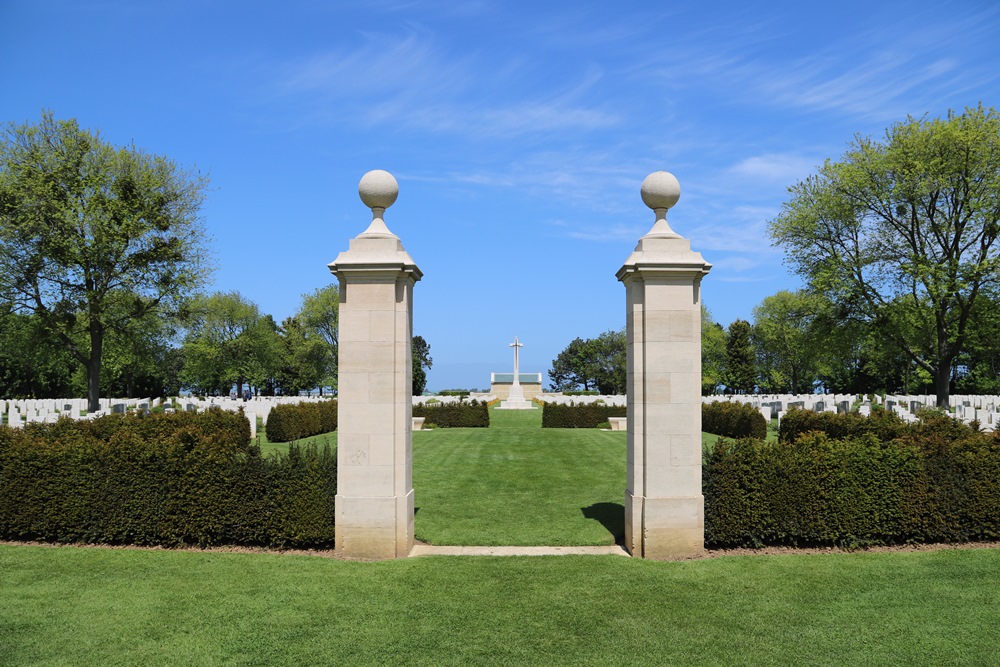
(72, 606)
(511, 484)
(518, 484)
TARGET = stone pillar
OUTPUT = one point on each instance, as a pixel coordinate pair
(664, 505)
(374, 503)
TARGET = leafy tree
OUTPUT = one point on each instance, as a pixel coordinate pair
(713, 352)
(32, 365)
(320, 315)
(741, 370)
(305, 358)
(228, 342)
(903, 233)
(571, 369)
(595, 363)
(786, 341)
(92, 236)
(421, 360)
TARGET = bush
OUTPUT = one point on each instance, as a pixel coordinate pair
(590, 415)
(164, 480)
(937, 482)
(473, 414)
(883, 424)
(733, 420)
(301, 420)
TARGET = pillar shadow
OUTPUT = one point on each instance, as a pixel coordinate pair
(611, 516)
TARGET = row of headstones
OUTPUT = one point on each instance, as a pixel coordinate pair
(19, 412)
(558, 398)
(444, 400)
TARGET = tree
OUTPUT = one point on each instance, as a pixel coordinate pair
(93, 236)
(787, 342)
(903, 233)
(31, 364)
(741, 370)
(320, 315)
(713, 353)
(421, 360)
(595, 363)
(570, 368)
(229, 342)
(305, 358)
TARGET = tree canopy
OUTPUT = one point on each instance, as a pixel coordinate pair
(903, 233)
(93, 236)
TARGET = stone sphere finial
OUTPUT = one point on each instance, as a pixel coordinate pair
(378, 189)
(660, 190)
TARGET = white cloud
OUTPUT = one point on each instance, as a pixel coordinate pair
(780, 168)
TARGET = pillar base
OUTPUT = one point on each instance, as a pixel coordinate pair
(664, 528)
(374, 528)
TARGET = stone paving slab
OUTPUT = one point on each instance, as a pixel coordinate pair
(431, 550)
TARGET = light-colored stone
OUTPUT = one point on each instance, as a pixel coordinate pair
(664, 507)
(374, 502)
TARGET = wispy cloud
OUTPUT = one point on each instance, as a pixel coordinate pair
(412, 83)
(781, 168)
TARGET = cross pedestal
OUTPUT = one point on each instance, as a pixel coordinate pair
(515, 399)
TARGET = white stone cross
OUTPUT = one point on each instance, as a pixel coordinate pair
(517, 369)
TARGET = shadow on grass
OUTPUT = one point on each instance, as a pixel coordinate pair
(611, 516)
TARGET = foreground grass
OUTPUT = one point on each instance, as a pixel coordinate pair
(518, 484)
(122, 607)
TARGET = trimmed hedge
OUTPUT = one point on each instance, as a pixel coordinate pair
(589, 415)
(883, 424)
(301, 420)
(938, 481)
(167, 480)
(471, 414)
(733, 420)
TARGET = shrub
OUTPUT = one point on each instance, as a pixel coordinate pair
(937, 482)
(733, 420)
(472, 414)
(579, 416)
(163, 480)
(883, 424)
(301, 420)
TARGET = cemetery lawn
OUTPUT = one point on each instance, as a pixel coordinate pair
(99, 606)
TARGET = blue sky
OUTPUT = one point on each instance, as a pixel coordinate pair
(519, 133)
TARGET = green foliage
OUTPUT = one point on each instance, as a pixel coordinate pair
(904, 234)
(31, 364)
(595, 363)
(740, 374)
(319, 317)
(883, 424)
(229, 342)
(733, 420)
(301, 420)
(471, 414)
(421, 361)
(94, 238)
(585, 415)
(938, 481)
(184, 478)
(713, 353)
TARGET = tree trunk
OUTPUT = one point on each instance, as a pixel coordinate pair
(942, 383)
(94, 367)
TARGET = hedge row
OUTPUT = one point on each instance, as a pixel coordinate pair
(471, 414)
(936, 482)
(589, 415)
(301, 420)
(733, 420)
(165, 480)
(883, 424)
